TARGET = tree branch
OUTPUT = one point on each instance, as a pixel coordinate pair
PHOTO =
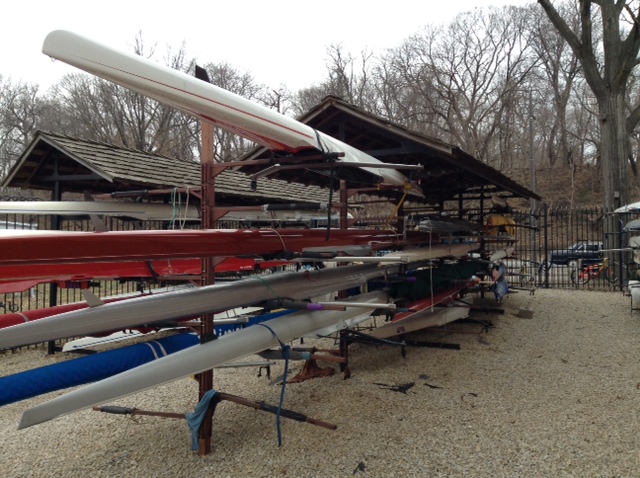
(633, 118)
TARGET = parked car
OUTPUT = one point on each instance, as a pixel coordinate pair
(590, 252)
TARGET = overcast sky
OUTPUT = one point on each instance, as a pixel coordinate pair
(277, 41)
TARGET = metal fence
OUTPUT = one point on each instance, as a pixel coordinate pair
(544, 236)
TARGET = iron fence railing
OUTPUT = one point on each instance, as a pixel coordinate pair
(544, 235)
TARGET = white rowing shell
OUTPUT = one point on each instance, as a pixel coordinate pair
(203, 100)
(196, 359)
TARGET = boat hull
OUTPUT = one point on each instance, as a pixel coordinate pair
(87, 369)
(195, 359)
(437, 309)
(18, 278)
(47, 247)
(429, 317)
(204, 100)
(189, 303)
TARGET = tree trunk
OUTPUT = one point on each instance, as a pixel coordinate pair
(614, 149)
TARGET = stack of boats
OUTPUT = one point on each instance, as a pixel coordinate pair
(416, 278)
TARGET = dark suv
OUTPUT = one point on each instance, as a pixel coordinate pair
(589, 252)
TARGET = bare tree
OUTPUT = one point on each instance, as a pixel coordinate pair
(230, 146)
(459, 75)
(608, 76)
(306, 98)
(400, 98)
(560, 68)
(90, 107)
(20, 111)
(390, 88)
(546, 104)
(278, 99)
(348, 78)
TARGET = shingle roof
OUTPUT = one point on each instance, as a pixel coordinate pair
(105, 168)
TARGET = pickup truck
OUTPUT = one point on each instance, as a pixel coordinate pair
(589, 252)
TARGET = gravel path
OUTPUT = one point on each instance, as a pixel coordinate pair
(552, 396)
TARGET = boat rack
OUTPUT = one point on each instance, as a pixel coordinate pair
(220, 396)
(349, 336)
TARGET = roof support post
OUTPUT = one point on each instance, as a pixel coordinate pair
(56, 195)
(205, 379)
(344, 197)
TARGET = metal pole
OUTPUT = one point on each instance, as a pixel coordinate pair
(205, 378)
(534, 231)
(56, 225)
(344, 210)
(532, 164)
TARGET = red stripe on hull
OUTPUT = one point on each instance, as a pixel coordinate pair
(70, 247)
(438, 298)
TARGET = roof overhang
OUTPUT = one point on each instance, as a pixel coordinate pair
(447, 173)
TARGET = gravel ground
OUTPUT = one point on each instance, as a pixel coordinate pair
(552, 396)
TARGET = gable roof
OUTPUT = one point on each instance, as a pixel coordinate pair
(84, 165)
(449, 172)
